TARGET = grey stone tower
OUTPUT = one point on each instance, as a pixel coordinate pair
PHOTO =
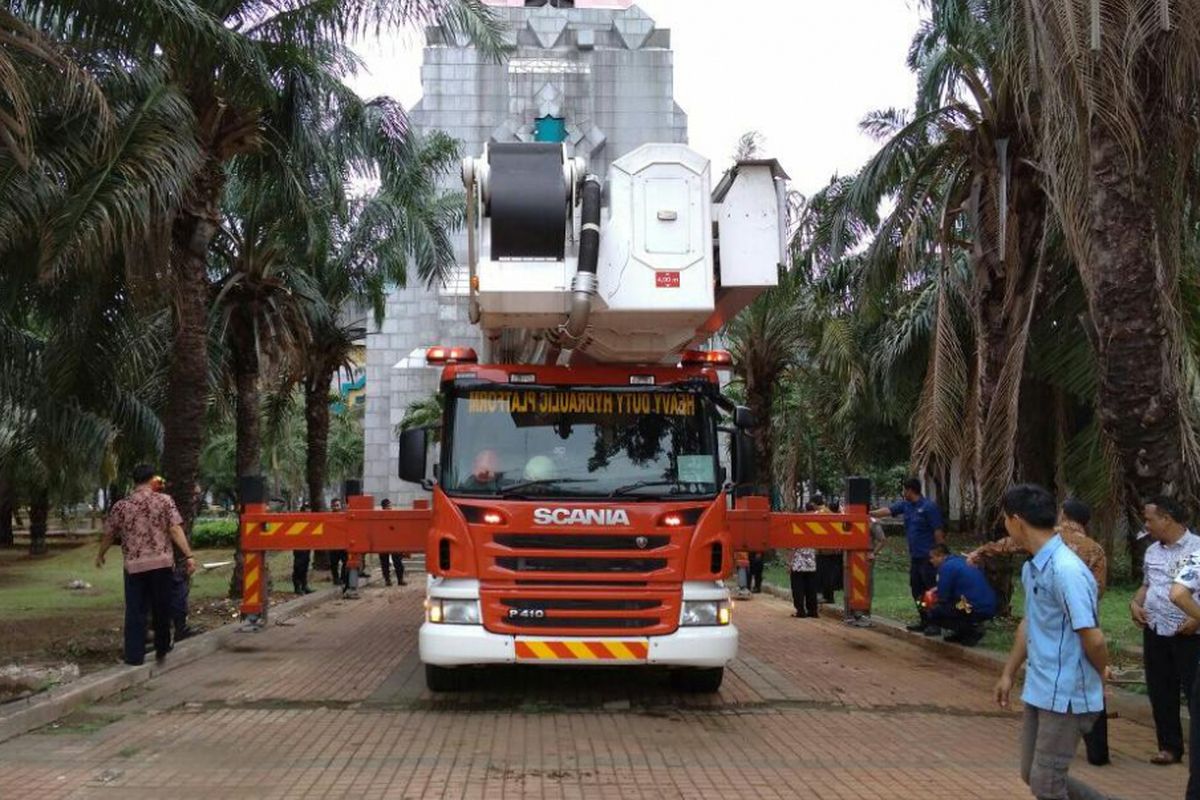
(597, 74)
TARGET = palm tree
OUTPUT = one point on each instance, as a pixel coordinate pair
(367, 245)
(1119, 86)
(230, 61)
(960, 172)
(765, 340)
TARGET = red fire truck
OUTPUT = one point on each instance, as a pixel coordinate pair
(581, 510)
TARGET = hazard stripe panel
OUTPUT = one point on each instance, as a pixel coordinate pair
(294, 529)
(582, 650)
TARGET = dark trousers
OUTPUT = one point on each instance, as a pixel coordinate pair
(756, 572)
(147, 592)
(300, 561)
(921, 578)
(336, 558)
(955, 619)
(1193, 786)
(1095, 742)
(1170, 671)
(829, 574)
(181, 587)
(804, 594)
(397, 561)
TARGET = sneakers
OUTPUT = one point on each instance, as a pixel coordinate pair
(859, 622)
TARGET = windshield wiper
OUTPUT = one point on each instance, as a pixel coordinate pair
(518, 487)
(620, 490)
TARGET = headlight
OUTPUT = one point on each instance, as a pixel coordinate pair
(453, 612)
(705, 612)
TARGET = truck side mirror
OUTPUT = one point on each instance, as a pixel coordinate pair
(414, 458)
(743, 418)
(745, 459)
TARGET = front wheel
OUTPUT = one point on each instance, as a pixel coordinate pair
(698, 681)
(442, 679)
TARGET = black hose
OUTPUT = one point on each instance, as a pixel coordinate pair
(589, 237)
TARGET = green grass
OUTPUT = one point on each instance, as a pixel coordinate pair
(894, 600)
(34, 587)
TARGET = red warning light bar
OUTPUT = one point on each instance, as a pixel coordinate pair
(451, 355)
(706, 358)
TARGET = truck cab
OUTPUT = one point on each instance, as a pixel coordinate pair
(579, 518)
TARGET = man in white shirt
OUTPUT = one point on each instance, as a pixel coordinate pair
(1170, 645)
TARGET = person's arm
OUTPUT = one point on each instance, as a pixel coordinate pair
(946, 584)
(1183, 591)
(881, 513)
(180, 540)
(1095, 648)
(1001, 547)
(1182, 597)
(105, 541)
(1016, 657)
(1137, 608)
(1080, 601)
(938, 524)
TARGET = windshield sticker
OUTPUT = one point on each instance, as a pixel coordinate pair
(540, 402)
(695, 469)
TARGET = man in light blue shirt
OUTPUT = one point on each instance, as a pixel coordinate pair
(1061, 641)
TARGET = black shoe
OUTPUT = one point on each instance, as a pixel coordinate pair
(186, 633)
(954, 637)
(387, 581)
(915, 627)
(159, 658)
(971, 639)
(932, 630)
(402, 583)
(307, 590)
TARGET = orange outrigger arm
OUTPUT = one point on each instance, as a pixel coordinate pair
(756, 528)
(359, 529)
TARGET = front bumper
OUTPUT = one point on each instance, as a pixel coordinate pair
(460, 645)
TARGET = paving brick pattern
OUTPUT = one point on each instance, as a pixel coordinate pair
(335, 706)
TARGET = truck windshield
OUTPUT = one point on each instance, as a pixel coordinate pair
(580, 443)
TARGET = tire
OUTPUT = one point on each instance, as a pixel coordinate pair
(442, 679)
(698, 681)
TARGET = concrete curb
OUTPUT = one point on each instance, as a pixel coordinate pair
(1121, 703)
(22, 716)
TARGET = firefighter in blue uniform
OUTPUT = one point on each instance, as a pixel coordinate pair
(923, 528)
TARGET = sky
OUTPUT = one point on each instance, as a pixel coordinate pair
(801, 72)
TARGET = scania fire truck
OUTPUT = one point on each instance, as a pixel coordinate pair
(580, 508)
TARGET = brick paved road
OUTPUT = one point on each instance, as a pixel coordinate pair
(335, 706)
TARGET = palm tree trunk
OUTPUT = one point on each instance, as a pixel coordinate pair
(1004, 281)
(39, 517)
(7, 503)
(248, 458)
(1138, 397)
(316, 417)
(187, 381)
(760, 399)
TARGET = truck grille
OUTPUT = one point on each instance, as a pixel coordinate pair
(543, 609)
(596, 623)
(577, 541)
(553, 564)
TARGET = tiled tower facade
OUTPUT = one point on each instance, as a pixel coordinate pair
(597, 72)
